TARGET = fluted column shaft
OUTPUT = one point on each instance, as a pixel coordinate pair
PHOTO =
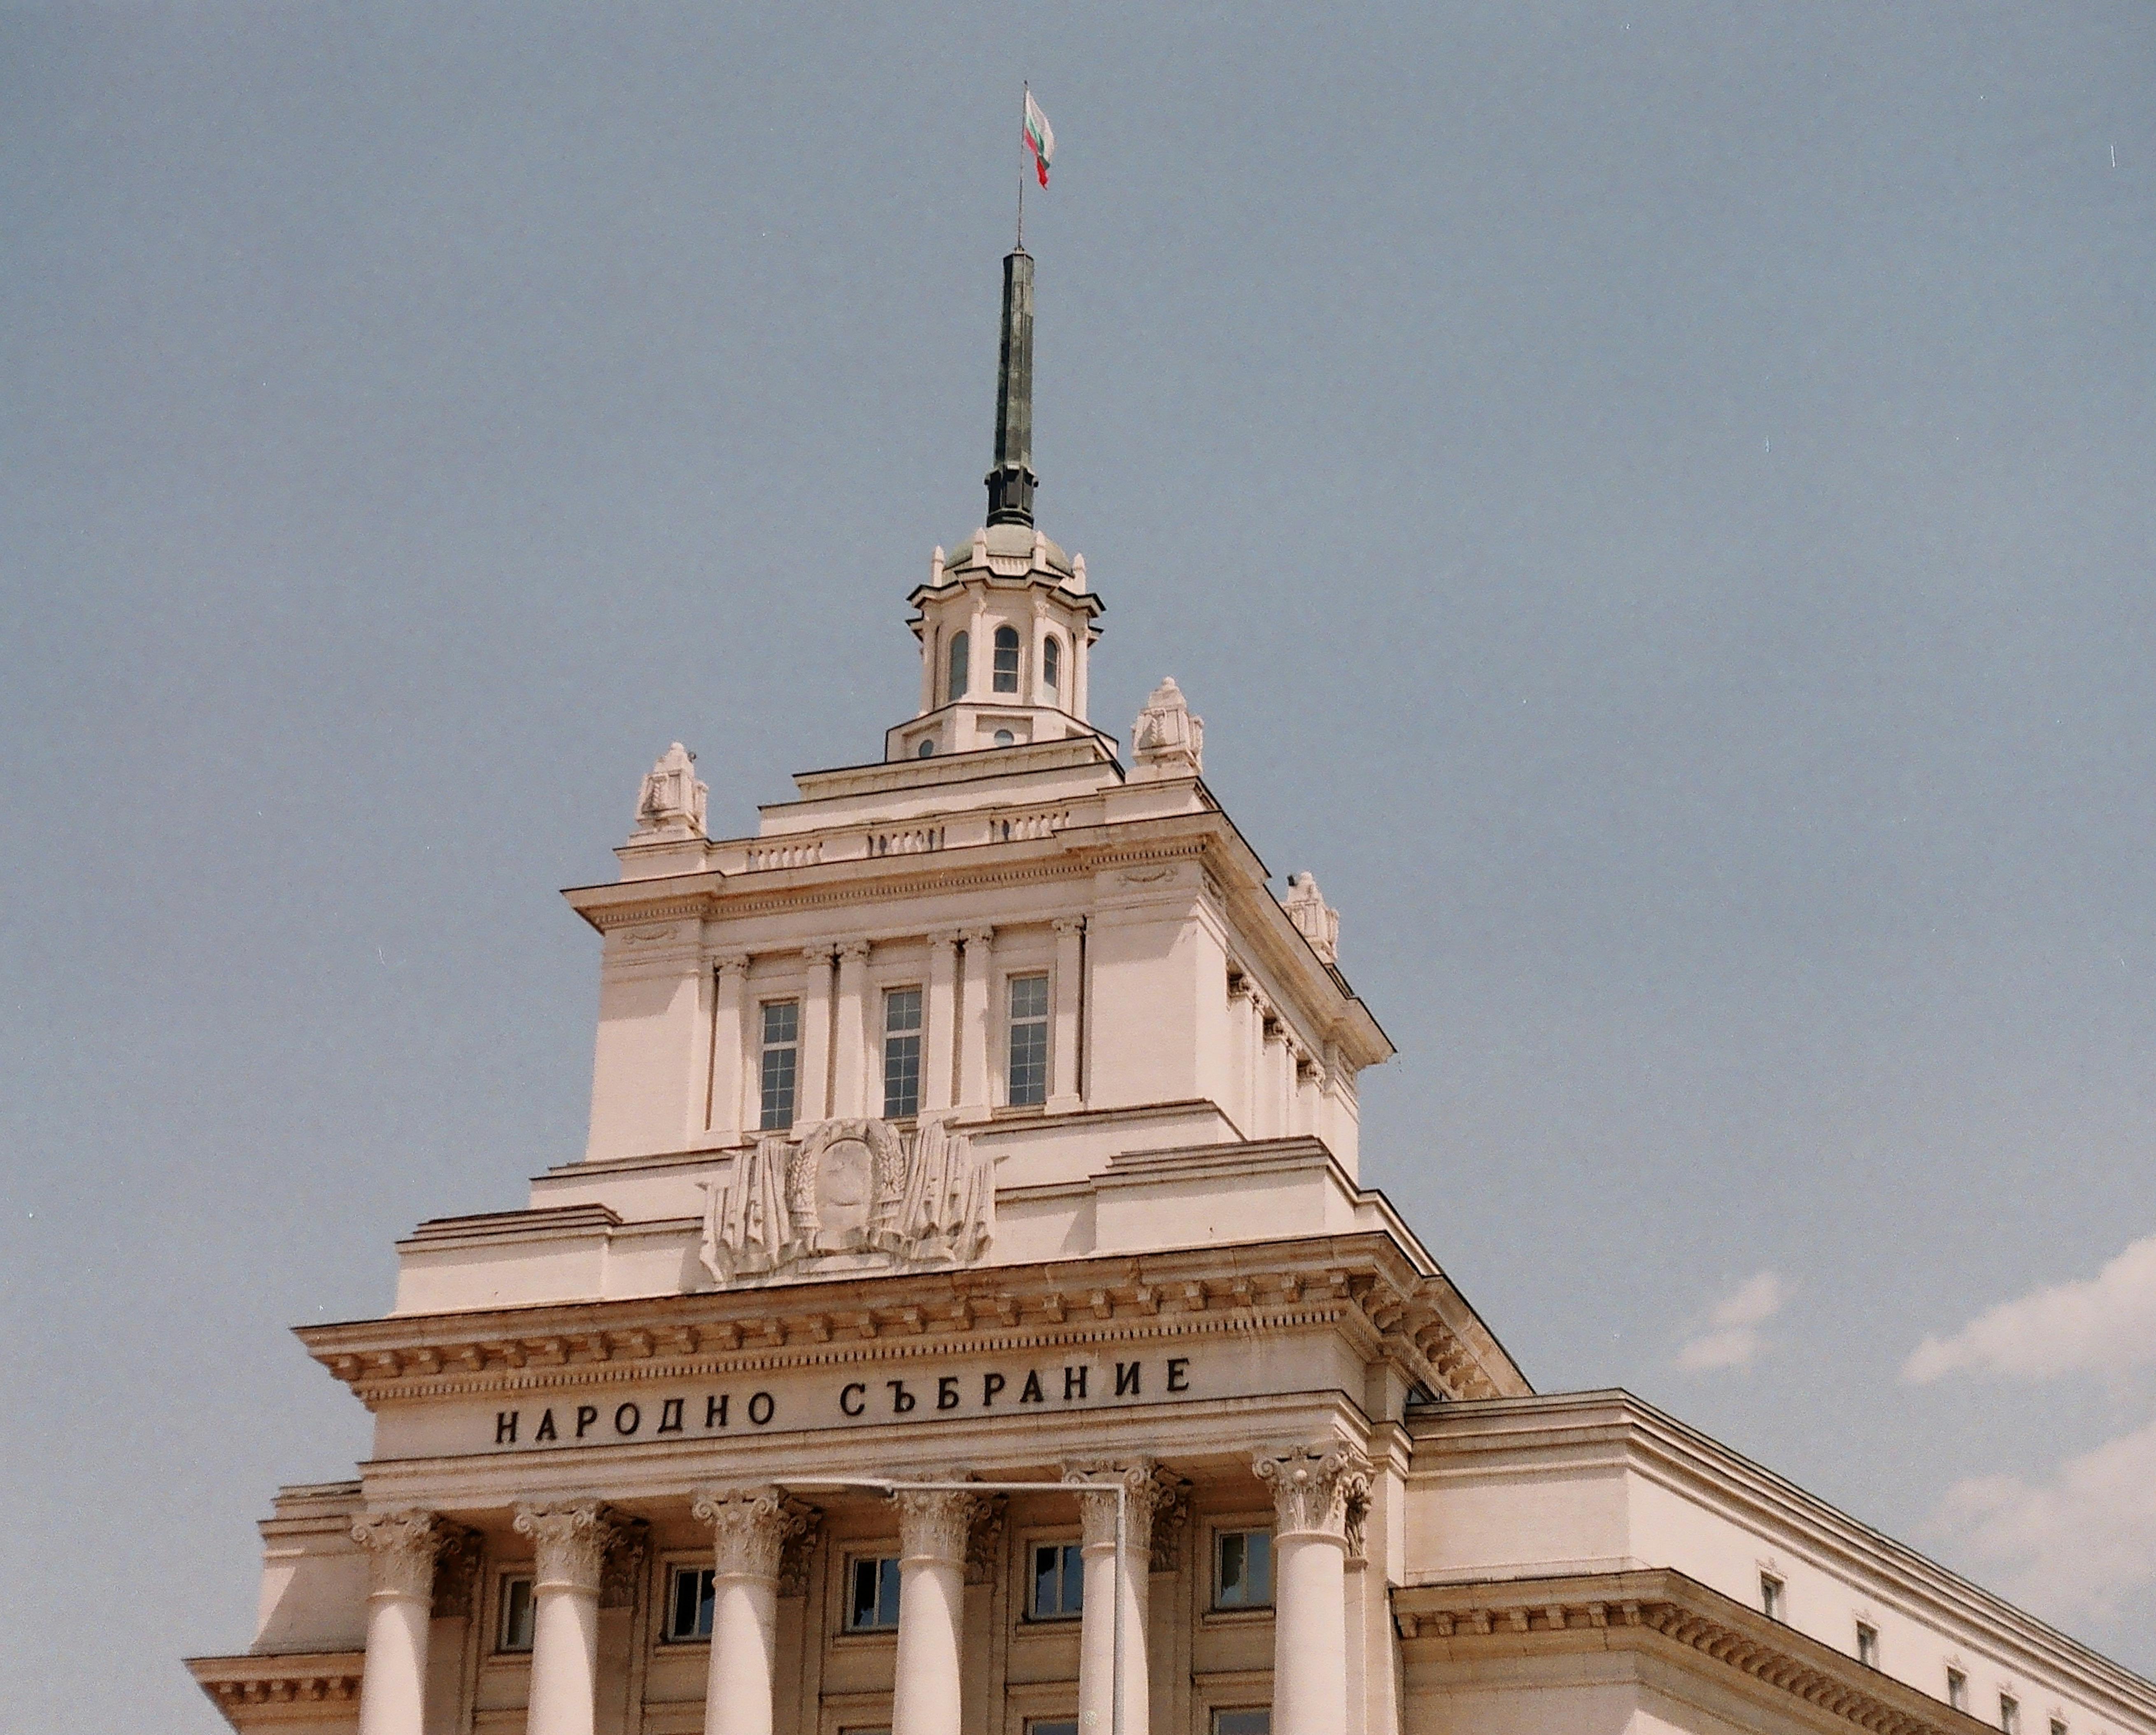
(1314, 1495)
(1107, 1590)
(811, 1101)
(931, 1590)
(976, 1019)
(572, 1538)
(749, 1528)
(401, 1548)
(1069, 985)
(726, 1045)
(850, 1046)
(941, 1017)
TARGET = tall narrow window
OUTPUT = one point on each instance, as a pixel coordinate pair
(1051, 664)
(901, 1053)
(1770, 1596)
(1867, 1645)
(1956, 1690)
(690, 1600)
(1006, 659)
(782, 1061)
(1029, 1039)
(1059, 1582)
(961, 654)
(875, 1603)
(2010, 1716)
(517, 1611)
(2058, 1725)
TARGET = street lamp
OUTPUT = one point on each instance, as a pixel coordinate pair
(891, 1486)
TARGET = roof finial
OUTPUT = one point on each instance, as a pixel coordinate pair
(1011, 483)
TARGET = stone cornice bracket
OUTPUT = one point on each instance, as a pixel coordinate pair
(572, 1538)
(1314, 1489)
(751, 1528)
(1095, 1480)
(401, 1548)
(934, 1523)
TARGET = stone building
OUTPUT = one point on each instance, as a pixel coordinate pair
(973, 1181)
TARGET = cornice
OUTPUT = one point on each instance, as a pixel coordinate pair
(1362, 1285)
(1665, 1612)
(1618, 1426)
(278, 1689)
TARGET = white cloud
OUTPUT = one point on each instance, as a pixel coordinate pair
(1732, 1339)
(2071, 1547)
(2100, 1325)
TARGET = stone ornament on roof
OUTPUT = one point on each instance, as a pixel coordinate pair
(670, 804)
(850, 1195)
(1168, 738)
(1318, 920)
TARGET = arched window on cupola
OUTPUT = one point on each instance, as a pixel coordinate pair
(1006, 676)
(1051, 665)
(961, 651)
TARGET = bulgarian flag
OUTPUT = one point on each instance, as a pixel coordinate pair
(1039, 136)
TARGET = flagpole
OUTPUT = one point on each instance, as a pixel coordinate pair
(1025, 91)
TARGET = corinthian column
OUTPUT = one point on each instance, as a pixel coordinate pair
(932, 1525)
(1109, 1590)
(1313, 1493)
(750, 1526)
(401, 1548)
(573, 1536)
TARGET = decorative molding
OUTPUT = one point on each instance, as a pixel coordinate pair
(1313, 1488)
(751, 1528)
(803, 1524)
(1094, 1481)
(984, 1540)
(401, 1548)
(456, 1571)
(621, 1573)
(1171, 1522)
(934, 1523)
(572, 1538)
(1662, 1609)
(278, 1690)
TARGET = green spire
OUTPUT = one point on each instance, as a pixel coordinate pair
(1011, 483)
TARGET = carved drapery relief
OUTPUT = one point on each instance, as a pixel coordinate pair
(572, 1538)
(925, 1198)
(671, 802)
(1313, 1488)
(934, 1523)
(750, 1528)
(1096, 1482)
(401, 1548)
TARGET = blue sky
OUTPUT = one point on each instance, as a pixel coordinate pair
(1651, 502)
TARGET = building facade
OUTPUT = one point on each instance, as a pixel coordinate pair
(967, 1318)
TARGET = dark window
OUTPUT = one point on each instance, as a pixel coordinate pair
(1059, 1582)
(1029, 1039)
(1051, 664)
(962, 651)
(516, 1612)
(1050, 1726)
(782, 1060)
(1242, 1569)
(1257, 1720)
(1867, 1645)
(1770, 1596)
(1006, 679)
(1956, 1690)
(875, 1595)
(901, 1053)
(2010, 1716)
(689, 1600)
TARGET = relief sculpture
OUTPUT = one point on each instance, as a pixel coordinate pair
(854, 1193)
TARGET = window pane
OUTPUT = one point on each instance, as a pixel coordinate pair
(1051, 664)
(782, 1021)
(1261, 1545)
(864, 1613)
(1027, 1079)
(516, 1614)
(887, 1591)
(1256, 1721)
(1050, 1726)
(782, 1034)
(901, 1052)
(689, 1610)
(1233, 1592)
(1006, 677)
(961, 653)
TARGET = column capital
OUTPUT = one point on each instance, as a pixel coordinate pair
(1095, 1482)
(731, 963)
(977, 936)
(854, 951)
(751, 1527)
(818, 954)
(1315, 1489)
(401, 1548)
(572, 1537)
(943, 936)
(1068, 924)
(934, 1523)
